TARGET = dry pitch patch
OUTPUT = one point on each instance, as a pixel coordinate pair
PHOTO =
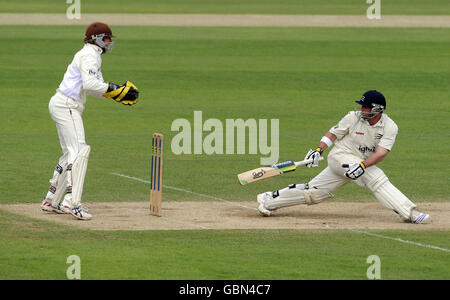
(201, 215)
(227, 20)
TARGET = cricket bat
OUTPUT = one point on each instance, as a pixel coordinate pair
(271, 171)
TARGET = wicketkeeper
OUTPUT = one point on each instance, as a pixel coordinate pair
(83, 77)
(361, 140)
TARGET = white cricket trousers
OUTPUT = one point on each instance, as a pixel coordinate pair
(333, 177)
(67, 114)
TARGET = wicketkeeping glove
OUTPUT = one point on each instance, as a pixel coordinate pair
(354, 170)
(126, 93)
(315, 155)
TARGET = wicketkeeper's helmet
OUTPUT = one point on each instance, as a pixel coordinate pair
(96, 34)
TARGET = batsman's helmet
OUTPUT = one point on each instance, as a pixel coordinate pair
(96, 34)
(372, 97)
(374, 100)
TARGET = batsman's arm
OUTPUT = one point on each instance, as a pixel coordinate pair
(326, 141)
(377, 157)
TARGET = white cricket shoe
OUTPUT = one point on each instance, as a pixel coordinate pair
(85, 208)
(46, 206)
(418, 218)
(78, 213)
(65, 207)
(262, 198)
(58, 209)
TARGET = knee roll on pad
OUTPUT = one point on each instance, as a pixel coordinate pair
(315, 196)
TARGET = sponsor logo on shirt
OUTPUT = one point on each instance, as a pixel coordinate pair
(360, 133)
(378, 136)
(365, 149)
(91, 72)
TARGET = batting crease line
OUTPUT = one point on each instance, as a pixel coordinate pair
(185, 191)
(231, 203)
(400, 240)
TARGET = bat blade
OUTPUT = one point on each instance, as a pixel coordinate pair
(271, 171)
(266, 172)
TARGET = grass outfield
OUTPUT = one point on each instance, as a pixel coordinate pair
(41, 250)
(353, 7)
(307, 78)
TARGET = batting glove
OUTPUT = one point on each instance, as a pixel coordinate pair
(354, 170)
(314, 155)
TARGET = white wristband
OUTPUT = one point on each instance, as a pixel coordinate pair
(327, 141)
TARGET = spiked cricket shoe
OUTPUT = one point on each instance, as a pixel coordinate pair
(58, 209)
(65, 207)
(419, 218)
(78, 213)
(46, 206)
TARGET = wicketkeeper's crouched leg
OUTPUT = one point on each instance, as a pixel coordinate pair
(67, 115)
(57, 185)
(76, 173)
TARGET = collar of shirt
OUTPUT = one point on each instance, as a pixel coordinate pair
(380, 122)
(95, 47)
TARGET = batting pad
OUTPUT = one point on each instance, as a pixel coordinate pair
(61, 183)
(386, 193)
(389, 196)
(294, 196)
(78, 173)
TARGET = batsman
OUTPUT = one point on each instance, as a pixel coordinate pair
(362, 139)
(83, 77)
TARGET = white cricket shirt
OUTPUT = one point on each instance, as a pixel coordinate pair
(356, 136)
(83, 76)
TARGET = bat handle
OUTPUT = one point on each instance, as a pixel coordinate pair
(306, 161)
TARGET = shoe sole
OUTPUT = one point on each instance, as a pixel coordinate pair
(59, 211)
(80, 217)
